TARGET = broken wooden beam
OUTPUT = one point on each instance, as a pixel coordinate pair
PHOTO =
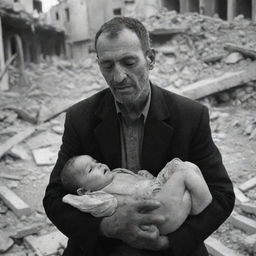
(240, 197)
(16, 204)
(247, 52)
(10, 176)
(8, 63)
(24, 115)
(216, 248)
(244, 223)
(17, 138)
(248, 208)
(211, 86)
(248, 185)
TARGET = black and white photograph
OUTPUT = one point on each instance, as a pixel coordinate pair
(128, 127)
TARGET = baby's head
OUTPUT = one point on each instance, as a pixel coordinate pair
(85, 173)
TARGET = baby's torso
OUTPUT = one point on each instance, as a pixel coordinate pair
(132, 185)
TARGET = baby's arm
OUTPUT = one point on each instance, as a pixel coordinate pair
(98, 203)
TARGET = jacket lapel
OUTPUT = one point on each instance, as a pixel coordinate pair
(107, 132)
(157, 134)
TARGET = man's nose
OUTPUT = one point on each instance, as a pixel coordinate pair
(119, 75)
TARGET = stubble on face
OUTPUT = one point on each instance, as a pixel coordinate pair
(131, 85)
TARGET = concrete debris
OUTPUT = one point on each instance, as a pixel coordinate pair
(16, 204)
(216, 248)
(233, 58)
(48, 244)
(10, 176)
(26, 230)
(19, 137)
(5, 242)
(244, 223)
(19, 152)
(45, 156)
(58, 129)
(249, 208)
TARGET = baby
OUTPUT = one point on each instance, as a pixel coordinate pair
(179, 186)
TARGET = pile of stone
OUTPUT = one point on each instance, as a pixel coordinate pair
(198, 51)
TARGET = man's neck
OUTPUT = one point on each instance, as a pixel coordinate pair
(133, 110)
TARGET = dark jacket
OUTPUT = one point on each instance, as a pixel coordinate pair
(175, 127)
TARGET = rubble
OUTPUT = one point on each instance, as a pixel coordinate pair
(196, 52)
(5, 242)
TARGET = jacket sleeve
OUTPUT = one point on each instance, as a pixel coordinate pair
(206, 156)
(78, 226)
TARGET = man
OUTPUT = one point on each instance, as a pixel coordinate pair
(136, 125)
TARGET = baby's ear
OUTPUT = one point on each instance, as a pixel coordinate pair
(81, 191)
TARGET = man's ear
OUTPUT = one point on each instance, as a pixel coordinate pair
(151, 57)
(81, 191)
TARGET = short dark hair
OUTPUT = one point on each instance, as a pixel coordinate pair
(115, 25)
(68, 176)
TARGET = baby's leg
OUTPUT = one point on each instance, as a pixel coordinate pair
(197, 187)
(175, 203)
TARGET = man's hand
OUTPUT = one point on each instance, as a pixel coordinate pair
(127, 224)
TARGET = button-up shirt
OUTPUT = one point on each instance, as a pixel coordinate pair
(131, 135)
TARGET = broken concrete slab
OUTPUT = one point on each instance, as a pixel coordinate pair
(5, 242)
(234, 58)
(15, 140)
(248, 208)
(16, 204)
(240, 197)
(48, 244)
(247, 52)
(45, 156)
(248, 185)
(244, 223)
(216, 248)
(10, 176)
(210, 86)
(58, 129)
(43, 139)
(19, 152)
(26, 230)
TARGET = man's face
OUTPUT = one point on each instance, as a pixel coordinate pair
(95, 175)
(124, 66)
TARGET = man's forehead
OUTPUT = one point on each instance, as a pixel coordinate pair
(123, 39)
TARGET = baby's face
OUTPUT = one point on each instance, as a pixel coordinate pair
(96, 175)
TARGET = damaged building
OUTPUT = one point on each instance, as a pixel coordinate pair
(22, 21)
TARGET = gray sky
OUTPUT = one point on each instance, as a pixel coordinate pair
(47, 4)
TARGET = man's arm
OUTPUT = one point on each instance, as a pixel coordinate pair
(80, 227)
(206, 156)
(89, 232)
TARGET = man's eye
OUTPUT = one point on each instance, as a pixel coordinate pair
(129, 63)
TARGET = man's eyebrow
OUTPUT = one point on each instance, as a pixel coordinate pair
(123, 56)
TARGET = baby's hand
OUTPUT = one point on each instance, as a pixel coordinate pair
(146, 174)
(148, 228)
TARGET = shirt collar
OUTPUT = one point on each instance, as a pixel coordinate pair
(144, 111)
